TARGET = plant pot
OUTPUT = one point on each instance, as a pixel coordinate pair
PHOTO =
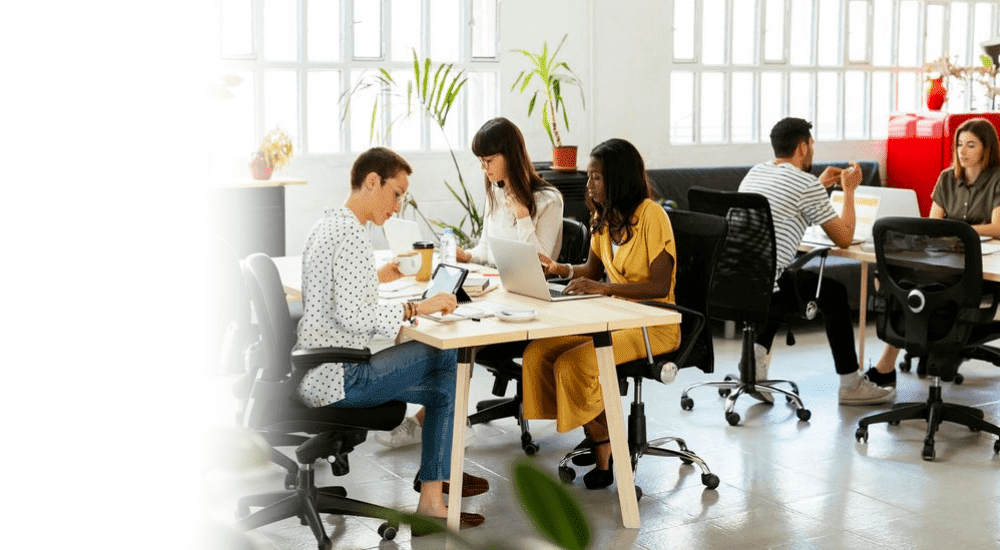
(564, 158)
(259, 168)
(937, 94)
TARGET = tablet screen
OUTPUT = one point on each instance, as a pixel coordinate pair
(447, 278)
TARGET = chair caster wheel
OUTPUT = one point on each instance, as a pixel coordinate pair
(638, 493)
(803, 414)
(928, 452)
(904, 366)
(861, 435)
(996, 447)
(530, 449)
(733, 418)
(567, 474)
(893, 422)
(387, 531)
(724, 393)
(291, 481)
(710, 481)
(959, 379)
(687, 403)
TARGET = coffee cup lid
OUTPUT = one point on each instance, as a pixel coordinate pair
(423, 244)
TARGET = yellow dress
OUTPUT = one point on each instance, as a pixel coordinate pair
(560, 374)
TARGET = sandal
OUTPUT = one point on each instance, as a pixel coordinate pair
(598, 478)
(471, 485)
(468, 520)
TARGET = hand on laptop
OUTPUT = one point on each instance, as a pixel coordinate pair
(585, 286)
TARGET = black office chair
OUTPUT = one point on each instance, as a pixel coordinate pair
(500, 359)
(741, 290)
(929, 302)
(699, 238)
(274, 408)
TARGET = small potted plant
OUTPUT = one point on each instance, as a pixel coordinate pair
(552, 76)
(275, 151)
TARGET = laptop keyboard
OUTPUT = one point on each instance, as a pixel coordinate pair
(555, 293)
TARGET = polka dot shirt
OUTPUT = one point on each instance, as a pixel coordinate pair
(340, 298)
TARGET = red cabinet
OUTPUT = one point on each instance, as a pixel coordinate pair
(920, 146)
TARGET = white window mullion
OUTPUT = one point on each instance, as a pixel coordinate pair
(696, 103)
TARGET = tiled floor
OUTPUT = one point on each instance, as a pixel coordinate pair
(784, 483)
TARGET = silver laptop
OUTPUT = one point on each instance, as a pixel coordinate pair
(400, 234)
(521, 272)
(890, 202)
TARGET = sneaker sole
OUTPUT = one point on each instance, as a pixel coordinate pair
(870, 400)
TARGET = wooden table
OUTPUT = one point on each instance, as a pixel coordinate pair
(595, 316)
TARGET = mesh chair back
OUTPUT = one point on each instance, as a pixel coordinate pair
(699, 239)
(271, 309)
(930, 273)
(575, 242)
(743, 280)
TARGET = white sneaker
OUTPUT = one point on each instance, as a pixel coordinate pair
(863, 391)
(407, 433)
(762, 361)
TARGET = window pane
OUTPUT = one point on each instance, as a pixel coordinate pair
(934, 35)
(908, 19)
(444, 31)
(681, 107)
(451, 128)
(882, 37)
(713, 107)
(323, 30)
(713, 31)
(322, 118)
(367, 29)
(984, 14)
(771, 102)
(484, 28)
(684, 29)
(281, 102)
(857, 34)
(405, 36)
(741, 114)
(237, 28)
(800, 95)
(855, 93)
(280, 30)
(881, 104)
(827, 105)
(829, 33)
(907, 92)
(959, 33)
(744, 46)
(774, 30)
(405, 130)
(483, 103)
(362, 102)
(801, 44)
(234, 128)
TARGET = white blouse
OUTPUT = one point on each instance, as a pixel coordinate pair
(544, 229)
(340, 299)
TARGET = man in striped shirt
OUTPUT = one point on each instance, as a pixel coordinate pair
(799, 199)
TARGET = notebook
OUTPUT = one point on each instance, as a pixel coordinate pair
(521, 272)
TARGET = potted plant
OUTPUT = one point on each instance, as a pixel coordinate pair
(275, 151)
(552, 75)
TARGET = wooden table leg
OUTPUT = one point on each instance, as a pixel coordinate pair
(458, 437)
(862, 315)
(616, 429)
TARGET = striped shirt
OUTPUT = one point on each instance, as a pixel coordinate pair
(797, 201)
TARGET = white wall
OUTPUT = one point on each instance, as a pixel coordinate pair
(617, 49)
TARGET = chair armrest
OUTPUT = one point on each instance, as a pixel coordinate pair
(306, 359)
(692, 339)
(802, 260)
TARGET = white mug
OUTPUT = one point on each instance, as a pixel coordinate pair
(409, 262)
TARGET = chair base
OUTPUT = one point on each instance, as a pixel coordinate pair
(307, 502)
(489, 410)
(934, 411)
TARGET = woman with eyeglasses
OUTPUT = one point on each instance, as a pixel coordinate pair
(520, 205)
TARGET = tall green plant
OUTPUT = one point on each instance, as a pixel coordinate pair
(552, 75)
(432, 93)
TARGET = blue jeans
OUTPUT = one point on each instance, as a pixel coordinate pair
(414, 373)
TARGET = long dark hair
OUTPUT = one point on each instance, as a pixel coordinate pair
(626, 186)
(987, 134)
(502, 136)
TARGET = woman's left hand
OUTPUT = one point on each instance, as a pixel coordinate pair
(389, 272)
(519, 210)
(585, 286)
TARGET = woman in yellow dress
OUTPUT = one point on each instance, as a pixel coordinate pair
(632, 244)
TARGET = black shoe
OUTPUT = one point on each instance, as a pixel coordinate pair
(886, 380)
(598, 478)
(587, 459)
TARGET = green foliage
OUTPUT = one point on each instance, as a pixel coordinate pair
(552, 75)
(432, 93)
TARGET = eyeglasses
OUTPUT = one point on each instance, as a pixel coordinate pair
(485, 161)
(403, 199)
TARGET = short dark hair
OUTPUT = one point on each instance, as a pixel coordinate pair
(384, 162)
(787, 134)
